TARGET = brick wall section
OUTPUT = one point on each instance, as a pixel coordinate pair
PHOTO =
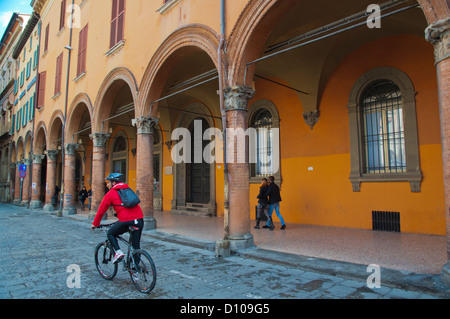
(443, 71)
(51, 174)
(144, 174)
(26, 183)
(238, 177)
(70, 195)
(17, 184)
(98, 169)
(36, 179)
(236, 99)
(98, 177)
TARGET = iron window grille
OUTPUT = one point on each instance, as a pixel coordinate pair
(264, 142)
(383, 135)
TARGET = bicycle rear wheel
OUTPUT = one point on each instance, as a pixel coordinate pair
(142, 271)
(104, 254)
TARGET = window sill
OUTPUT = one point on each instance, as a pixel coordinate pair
(79, 77)
(168, 6)
(115, 48)
(413, 178)
(54, 97)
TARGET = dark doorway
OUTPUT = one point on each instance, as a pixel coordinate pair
(198, 174)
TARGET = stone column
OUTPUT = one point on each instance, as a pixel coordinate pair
(98, 170)
(144, 171)
(70, 191)
(12, 174)
(26, 183)
(17, 198)
(36, 188)
(52, 157)
(238, 229)
(438, 34)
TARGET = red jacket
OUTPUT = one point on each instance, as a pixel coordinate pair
(124, 214)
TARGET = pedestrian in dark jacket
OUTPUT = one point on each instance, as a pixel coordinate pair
(273, 192)
(83, 195)
(263, 207)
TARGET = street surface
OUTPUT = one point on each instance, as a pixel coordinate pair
(49, 257)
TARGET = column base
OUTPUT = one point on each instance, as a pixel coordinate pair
(445, 274)
(241, 241)
(16, 202)
(23, 203)
(222, 248)
(149, 223)
(69, 211)
(35, 204)
(49, 208)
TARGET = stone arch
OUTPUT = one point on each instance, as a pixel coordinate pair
(259, 17)
(105, 96)
(158, 69)
(40, 140)
(52, 137)
(75, 113)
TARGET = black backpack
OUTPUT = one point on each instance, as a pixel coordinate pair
(128, 197)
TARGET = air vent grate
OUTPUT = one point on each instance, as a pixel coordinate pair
(386, 221)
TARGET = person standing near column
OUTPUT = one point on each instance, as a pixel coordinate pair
(273, 192)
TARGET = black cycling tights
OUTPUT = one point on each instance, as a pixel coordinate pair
(120, 228)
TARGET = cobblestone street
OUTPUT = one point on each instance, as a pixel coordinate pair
(39, 248)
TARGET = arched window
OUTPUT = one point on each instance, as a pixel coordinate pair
(264, 120)
(383, 129)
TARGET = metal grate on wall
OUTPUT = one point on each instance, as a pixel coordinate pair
(386, 221)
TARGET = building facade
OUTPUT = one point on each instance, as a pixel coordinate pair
(349, 112)
(26, 55)
(8, 67)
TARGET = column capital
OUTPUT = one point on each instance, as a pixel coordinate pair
(52, 154)
(438, 34)
(99, 139)
(37, 158)
(71, 148)
(236, 97)
(145, 125)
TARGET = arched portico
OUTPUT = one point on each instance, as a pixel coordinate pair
(258, 32)
(115, 104)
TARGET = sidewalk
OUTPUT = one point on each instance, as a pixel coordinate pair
(407, 260)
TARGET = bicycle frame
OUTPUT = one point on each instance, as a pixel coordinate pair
(137, 262)
(130, 250)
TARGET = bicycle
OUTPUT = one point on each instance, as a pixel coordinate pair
(137, 262)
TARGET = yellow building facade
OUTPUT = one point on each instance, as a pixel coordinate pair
(345, 108)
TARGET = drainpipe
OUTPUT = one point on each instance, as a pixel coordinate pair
(63, 133)
(220, 55)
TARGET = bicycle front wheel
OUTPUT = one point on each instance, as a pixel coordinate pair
(104, 254)
(142, 271)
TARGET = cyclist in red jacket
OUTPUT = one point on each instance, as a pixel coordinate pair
(127, 216)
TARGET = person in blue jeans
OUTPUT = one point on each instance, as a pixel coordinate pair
(273, 192)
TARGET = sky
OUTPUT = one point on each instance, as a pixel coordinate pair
(7, 7)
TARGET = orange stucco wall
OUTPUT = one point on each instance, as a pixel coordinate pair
(324, 195)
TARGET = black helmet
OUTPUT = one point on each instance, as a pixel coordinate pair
(115, 177)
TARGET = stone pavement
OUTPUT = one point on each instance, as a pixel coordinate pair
(43, 255)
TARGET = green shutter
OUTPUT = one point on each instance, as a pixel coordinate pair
(13, 126)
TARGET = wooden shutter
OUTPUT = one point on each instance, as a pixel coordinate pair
(58, 74)
(120, 20)
(41, 89)
(62, 16)
(117, 22)
(82, 48)
(47, 31)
